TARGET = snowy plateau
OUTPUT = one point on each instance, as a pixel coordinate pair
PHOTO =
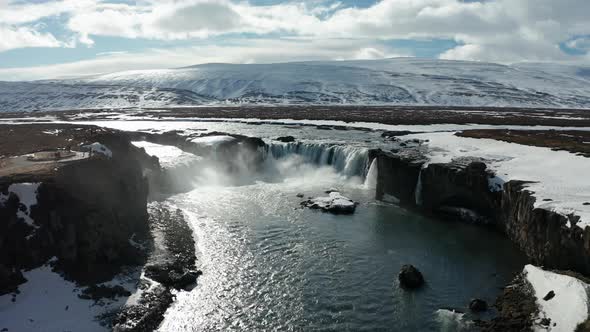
(398, 81)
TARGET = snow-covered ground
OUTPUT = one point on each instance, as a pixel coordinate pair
(561, 181)
(27, 195)
(169, 156)
(213, 140)
(405, 81)
(49, 303)
(568, 308)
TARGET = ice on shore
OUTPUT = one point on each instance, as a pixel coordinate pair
(567, 309)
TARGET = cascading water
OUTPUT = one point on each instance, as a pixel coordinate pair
(371, 179)
(347, 160)
(418, 191)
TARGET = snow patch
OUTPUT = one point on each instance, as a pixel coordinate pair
(27, 195)
(168, 155)
(568, 308)
(99, 148)
(213, 140)
(47, 302)
(557, 178)
(334, 202)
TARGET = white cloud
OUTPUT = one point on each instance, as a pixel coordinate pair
(250, 51)
(491, 30)
(22, 37)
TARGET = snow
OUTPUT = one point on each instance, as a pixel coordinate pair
(168, 155)
(99, 148)
(27, 195)
(213, 140)
(334, 200)
(558, 176)
(568, 308)
(49, 303)
(377, 125)
(401, 81)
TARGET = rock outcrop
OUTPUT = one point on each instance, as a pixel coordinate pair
(334, 203)
(462, 190)
(410, 277)
(85, 213)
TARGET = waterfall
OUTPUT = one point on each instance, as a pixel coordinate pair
(348, 160)
(371, 180)
(418, 192)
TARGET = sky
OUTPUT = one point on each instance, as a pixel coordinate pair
(49, 39)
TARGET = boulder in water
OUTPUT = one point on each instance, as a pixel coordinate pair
(478, 305)
(286, 139)
(410, 277)
(334, 203)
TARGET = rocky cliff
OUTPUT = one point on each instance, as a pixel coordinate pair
(462, 190)
(84, 213)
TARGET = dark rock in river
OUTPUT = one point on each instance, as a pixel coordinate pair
(410, 277)
(478, 305)
(334, 203)
(286, 139)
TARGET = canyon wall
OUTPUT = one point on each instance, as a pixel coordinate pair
(86, 217)
(462, 190)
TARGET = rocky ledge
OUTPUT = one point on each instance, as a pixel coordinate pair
(465, 189)
(83, 208)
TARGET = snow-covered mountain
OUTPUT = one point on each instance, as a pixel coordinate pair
(404, 81)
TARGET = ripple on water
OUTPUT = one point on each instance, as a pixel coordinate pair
(269, 265)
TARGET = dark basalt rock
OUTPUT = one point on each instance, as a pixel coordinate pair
(396, 133)
(147, 314)
(460, 190)
(549, 296)
(172, 275)
(86, 212)
(286, 139)
(335, 204)
(10, 279)
(410, 277)
(516, 307)
(97, 292)
(478, 305)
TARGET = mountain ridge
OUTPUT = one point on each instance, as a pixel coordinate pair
(397, 81)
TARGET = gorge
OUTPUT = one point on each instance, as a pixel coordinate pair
(456, 213)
